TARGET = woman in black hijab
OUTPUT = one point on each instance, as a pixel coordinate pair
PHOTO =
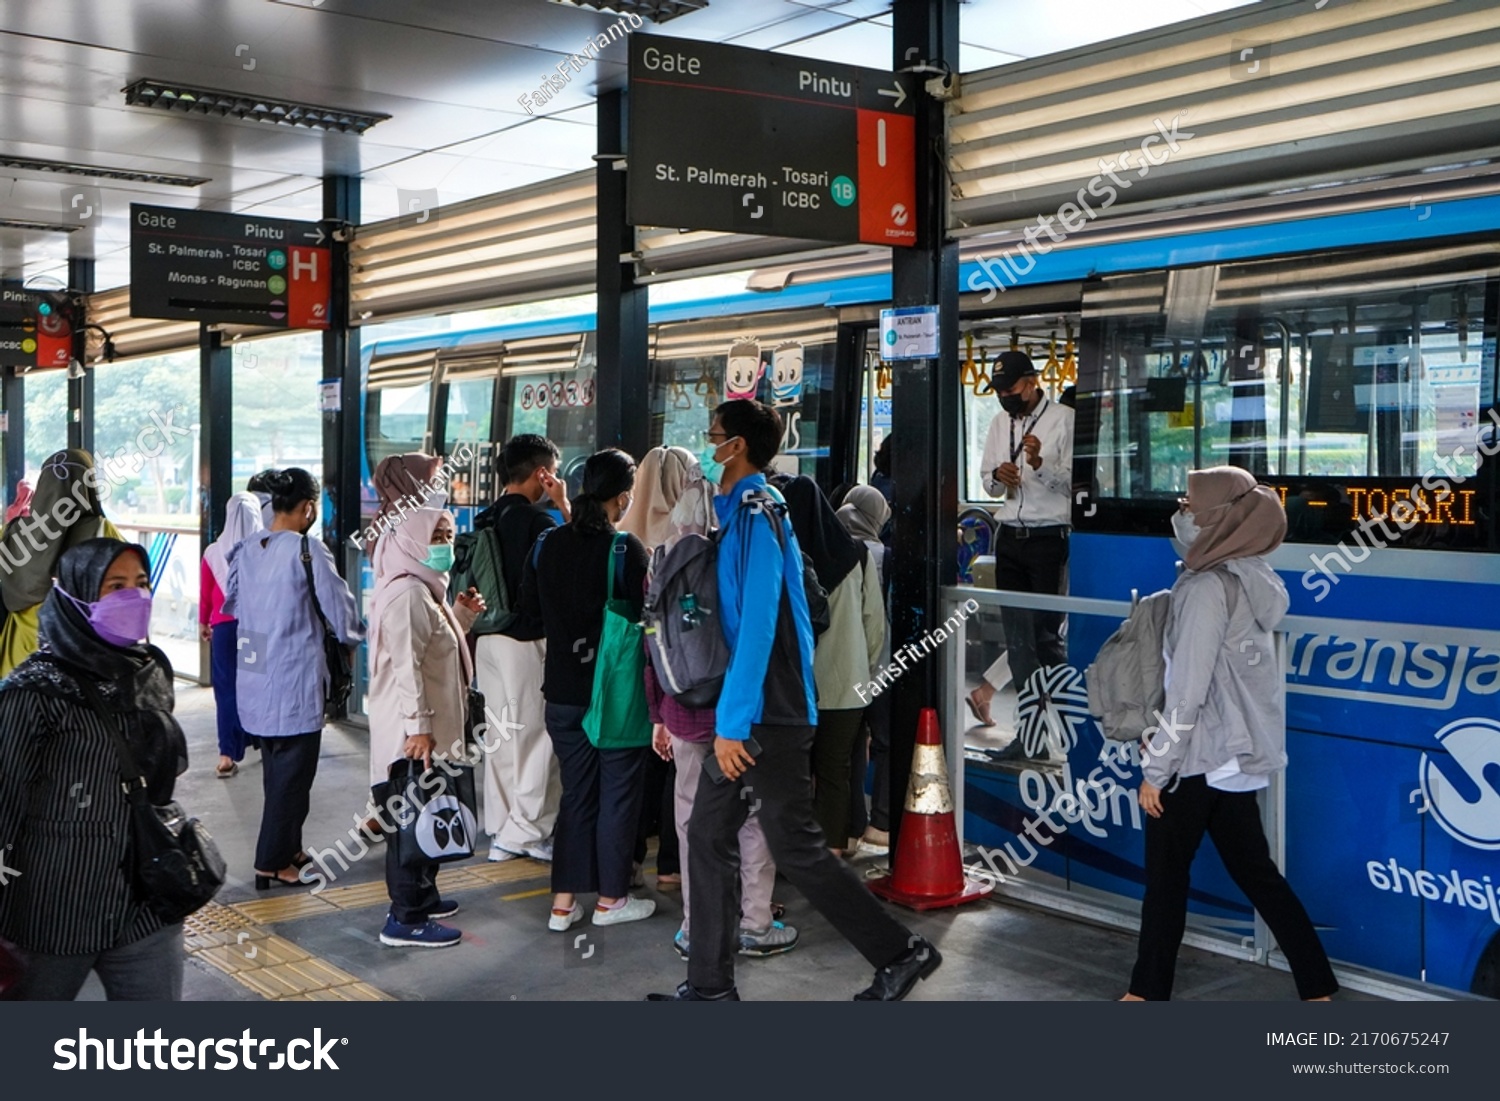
(846, 652)
(70, 905)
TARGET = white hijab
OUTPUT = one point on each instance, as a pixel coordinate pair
(242, 519)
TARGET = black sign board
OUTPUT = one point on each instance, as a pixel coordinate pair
(744, 141)
(36, 327)
(197, 265)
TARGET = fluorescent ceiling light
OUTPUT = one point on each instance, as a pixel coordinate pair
(208, 101)
(40, 227)
(657, 11)
(101, 172)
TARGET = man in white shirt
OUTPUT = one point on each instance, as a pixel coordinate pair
(1028, 461)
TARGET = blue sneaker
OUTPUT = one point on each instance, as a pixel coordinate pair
(429, 934)
(680, 942)
(444, 908)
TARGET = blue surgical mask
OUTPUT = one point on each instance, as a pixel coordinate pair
(713, 470)
(439, 557)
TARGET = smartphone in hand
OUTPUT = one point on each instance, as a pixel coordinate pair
(711, 762)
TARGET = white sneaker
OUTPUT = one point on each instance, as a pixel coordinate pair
(561, 923)
(497, 854)
(635, 909)
(540, 850)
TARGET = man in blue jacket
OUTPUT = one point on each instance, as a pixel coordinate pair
(769, 697)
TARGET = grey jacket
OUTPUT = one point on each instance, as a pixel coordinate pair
(1224, 685)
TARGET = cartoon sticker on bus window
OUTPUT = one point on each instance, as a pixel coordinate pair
(786, 374)
(742, 375)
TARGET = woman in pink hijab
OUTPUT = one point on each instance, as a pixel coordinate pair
(1225, 730)
(21, 506)
(420, 673)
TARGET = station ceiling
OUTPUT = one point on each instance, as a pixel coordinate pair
(450, 74)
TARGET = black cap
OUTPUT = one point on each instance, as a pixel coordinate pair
(1010, 368)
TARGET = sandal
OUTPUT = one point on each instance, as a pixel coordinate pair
(225, 770)
(979, 709)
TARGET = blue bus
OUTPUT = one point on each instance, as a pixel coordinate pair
(1345, 358)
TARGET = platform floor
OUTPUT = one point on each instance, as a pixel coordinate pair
(288, 944)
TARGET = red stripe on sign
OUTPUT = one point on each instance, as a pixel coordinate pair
(309, 276)
(887, 179)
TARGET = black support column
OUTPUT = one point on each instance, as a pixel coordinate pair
(341, 430)
(81, 388)
(925, 395)
(14, 399)
(215, 446)
(623, 402)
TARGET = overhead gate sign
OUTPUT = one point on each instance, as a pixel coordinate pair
(197, 265)
(743, 141)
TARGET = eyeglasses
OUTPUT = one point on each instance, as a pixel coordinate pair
(710, 436)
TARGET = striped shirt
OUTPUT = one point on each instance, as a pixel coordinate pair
(66, 886)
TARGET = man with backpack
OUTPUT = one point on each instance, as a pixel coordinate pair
(521, 784)
(765, 717)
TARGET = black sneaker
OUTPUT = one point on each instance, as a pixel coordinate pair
(895, 980)
(686, 993)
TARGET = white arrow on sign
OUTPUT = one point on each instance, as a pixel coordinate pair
(899, 94)
(317, 237)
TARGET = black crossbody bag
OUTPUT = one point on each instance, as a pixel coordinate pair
(335, 656)
(175, 863)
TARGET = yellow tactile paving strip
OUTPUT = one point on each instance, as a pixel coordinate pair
(272, 966)
(289, 905)
(229, 937)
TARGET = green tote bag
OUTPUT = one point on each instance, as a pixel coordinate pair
(617, 717)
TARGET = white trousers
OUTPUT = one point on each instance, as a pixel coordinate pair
(521, 782)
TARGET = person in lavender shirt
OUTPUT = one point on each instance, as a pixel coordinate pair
(280, 668)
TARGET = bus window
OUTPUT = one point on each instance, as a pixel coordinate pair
(1321, 375)
(470, 410)
(547, 387)
(783, 359)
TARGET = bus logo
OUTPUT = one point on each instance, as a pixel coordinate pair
(1463, 787)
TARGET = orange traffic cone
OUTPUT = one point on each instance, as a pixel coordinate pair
(929, 869)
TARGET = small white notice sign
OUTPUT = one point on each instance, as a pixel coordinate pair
(909, 332)
(330, 393)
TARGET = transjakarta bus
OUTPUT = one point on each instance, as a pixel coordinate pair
(1347, 359)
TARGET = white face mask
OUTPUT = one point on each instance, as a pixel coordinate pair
(1184, 527)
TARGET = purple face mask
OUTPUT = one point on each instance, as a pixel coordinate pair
(122, 618)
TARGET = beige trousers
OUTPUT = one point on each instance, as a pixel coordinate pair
(521, 782)
(757, 869)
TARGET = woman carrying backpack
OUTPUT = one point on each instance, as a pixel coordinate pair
(1226, 731)
(567, 582)
(685, 735)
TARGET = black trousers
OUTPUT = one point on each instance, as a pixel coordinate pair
(659, 815)
(833, 750)
(1034, 565)
(288, 766)
(780, 786)
(1232, 821)
(413, 891)
(600, 811)
(872, 745)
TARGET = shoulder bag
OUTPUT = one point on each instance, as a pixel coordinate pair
(617, 717)
(335, 655)
(175, 863)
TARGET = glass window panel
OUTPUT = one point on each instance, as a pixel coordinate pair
(153, 491)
